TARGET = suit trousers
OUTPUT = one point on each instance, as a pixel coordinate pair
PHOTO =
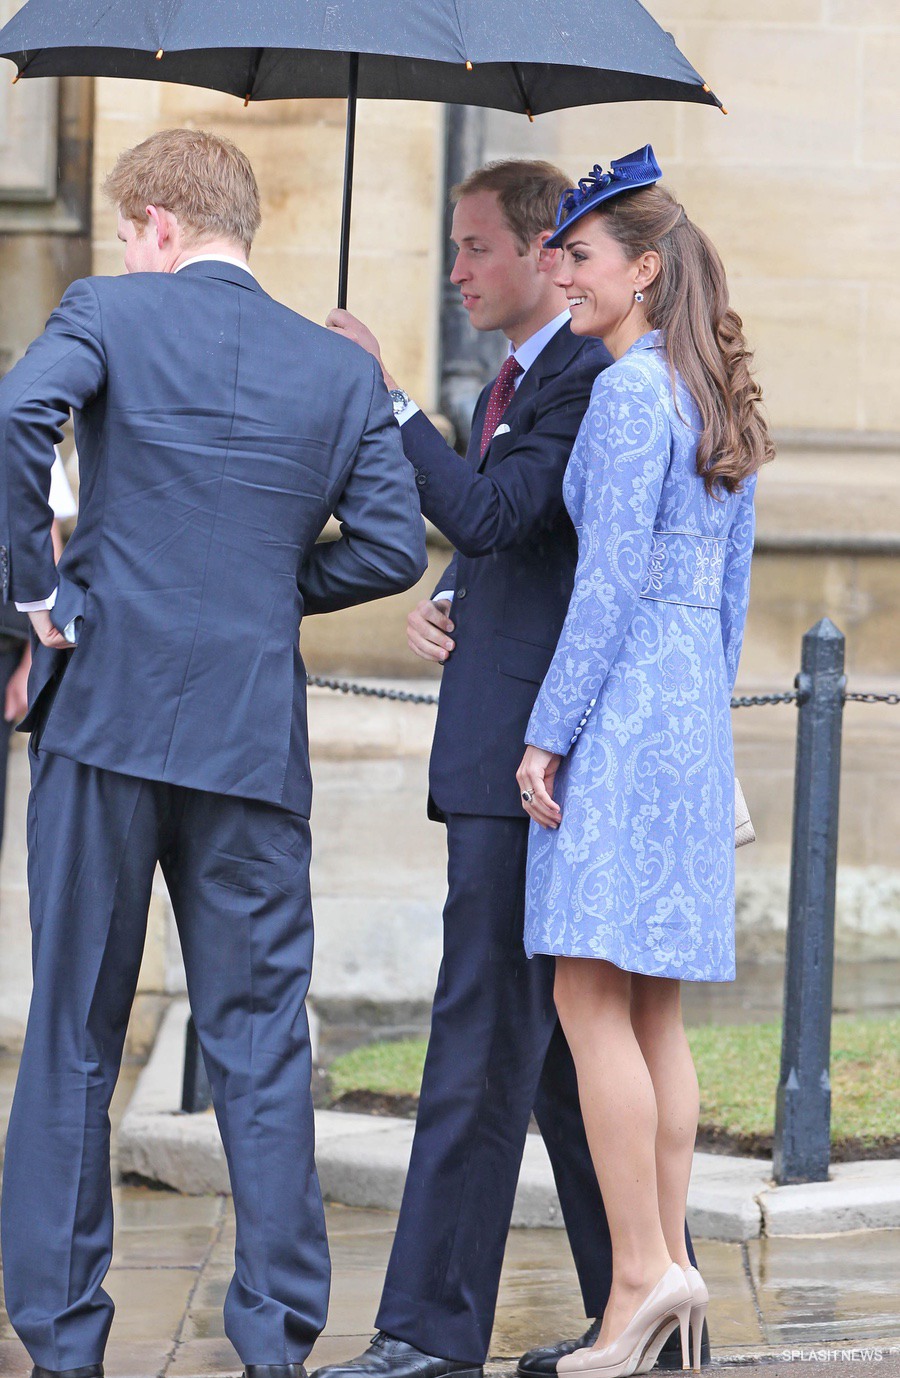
(496, 1052)
(238, 877)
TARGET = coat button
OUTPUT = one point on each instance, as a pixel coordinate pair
(461, 593)
(421, 480)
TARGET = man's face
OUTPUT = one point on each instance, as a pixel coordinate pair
(142, 251)
(500, 285)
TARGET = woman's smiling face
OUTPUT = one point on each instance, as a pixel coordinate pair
(600, 282)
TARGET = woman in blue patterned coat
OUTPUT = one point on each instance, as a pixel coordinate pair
(629, 772)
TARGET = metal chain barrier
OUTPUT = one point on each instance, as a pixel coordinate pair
(764, 700)
(365, 691)
(346, 686)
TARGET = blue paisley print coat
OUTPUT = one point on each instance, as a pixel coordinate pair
(640, 872)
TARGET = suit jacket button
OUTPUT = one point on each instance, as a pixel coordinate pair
(461, 593)
(421, 480)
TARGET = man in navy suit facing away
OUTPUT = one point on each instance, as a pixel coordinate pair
(217, 433)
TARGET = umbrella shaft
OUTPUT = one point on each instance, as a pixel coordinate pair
(348, 179)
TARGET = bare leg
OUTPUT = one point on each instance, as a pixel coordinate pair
(620, 1118)
(656, 1019)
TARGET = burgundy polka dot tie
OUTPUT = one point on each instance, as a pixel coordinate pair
(501, 395)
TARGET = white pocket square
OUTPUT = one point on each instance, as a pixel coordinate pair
(502, 429)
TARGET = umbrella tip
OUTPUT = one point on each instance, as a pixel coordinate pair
(246, 100)
(16, 78)
(159, 55)
(468, 65)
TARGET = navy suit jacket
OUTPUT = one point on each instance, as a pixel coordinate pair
(512, 573)
(217, 432)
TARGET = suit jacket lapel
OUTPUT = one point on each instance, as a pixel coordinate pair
(556, 356)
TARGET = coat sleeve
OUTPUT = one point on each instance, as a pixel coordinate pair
(624, 448)
(480, 513)
(381, 548)
(736, 580)
(447, 581)
(61, 371)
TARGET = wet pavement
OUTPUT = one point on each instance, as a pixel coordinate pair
(783, 1305)
(770, 1300)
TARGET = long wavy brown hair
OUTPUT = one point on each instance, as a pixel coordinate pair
(705, 344)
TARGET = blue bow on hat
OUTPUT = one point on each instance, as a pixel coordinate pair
(638, 169)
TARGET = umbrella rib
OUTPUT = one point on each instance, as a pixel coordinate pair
(25, 65)
(459, 27)
(252, 74)
(520, 82)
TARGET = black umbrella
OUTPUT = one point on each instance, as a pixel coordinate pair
(526, 55)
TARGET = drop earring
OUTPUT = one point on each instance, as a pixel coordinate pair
(639, 296)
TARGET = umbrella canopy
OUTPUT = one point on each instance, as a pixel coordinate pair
(522, 55)
(525, 55)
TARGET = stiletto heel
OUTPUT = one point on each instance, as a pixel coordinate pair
(684, 1326)
(699, 1302)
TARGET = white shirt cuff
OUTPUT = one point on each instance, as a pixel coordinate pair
(44, 605)
(445, 594)
(409, 410)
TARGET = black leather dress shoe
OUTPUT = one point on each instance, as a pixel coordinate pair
(89, 1371)
(274, 1371)
(390, 1358)
(541, 1362)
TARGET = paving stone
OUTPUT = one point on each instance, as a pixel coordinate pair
(349, 1220)
(211, 1290)
(201, 1358)
(355, 1295)
(829, 1289)
(204, 1323)
(184, 1246)
(150, 1302)
(14, 1362)
(136, 1208)
(334, 1349)
(539, 1299)
(137, 1358)
(733, 1317)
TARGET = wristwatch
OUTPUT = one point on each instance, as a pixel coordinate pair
(399, 400)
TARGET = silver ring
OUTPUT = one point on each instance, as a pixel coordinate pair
(528, 795)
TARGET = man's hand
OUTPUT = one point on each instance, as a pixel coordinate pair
(16, 703)
(536, 775)
(427, 630)
(47, 634)
(342, 323)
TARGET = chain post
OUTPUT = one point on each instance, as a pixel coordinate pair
(803, 1103)
(196, 1095)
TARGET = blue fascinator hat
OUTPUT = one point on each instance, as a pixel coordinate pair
(635, 170)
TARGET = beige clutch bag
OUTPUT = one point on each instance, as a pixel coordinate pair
(743, 825)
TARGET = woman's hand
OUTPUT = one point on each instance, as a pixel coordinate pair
(536, 775)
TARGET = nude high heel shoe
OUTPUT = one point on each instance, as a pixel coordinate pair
(637, 1348)
(699, 1303)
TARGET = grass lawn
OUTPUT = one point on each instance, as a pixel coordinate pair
(738, 1070)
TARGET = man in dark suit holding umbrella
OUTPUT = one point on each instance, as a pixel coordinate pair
(217, 432)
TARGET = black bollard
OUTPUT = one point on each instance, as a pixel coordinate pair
(195, 1093)
(803, 1104)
